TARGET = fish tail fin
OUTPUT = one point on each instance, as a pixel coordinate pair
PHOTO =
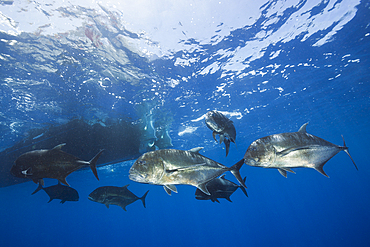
(243, 189)
(346, 150)
(235, 171)
(92, 163)
(143, 198)
(227, 145)
(38, 189)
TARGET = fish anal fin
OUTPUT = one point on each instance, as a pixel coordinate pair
(228, 198)
(124, 208)
(302, 129)
(63, 181)
(203, 188)
(282, 172)
(320, 168)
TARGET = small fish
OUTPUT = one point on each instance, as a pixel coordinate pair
(59, 191)
(119, 196)
(221, 125)
(219, 188)
(53, 163)
(169, 167)
(291, 150)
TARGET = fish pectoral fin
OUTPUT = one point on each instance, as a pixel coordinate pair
(214, 134)
(203, 188)
(196, 150)
(282, 172)
(290, 150)
(184, 168)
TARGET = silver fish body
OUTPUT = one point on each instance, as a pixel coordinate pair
(169, 167)
(112, 195)
(292, 150)
(222, 126)
(50, 163)
(219, 188)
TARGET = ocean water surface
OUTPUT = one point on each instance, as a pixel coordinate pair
(153, 69)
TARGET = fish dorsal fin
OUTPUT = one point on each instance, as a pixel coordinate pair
(59, 147)
(282, 172)
(223, 176)
(302, 129)
(203, 188)
(196, 150)
(125, 186)
(107, 205)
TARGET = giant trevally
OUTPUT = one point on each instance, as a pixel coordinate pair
(59, 191)
(53, 163)
(169, 167)
(221, 125)
(119, 196)
(219, 188)
(291, 150)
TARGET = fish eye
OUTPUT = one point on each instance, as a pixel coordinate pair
(142, 162)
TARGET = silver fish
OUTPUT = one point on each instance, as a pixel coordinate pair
(222, 126)
(53, 163)
(219, 188)
(292, 150)
(169, 167)
(59, 191)
(112, 195)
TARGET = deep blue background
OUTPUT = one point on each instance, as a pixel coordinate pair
(305, 209)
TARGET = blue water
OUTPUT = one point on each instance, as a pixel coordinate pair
(270, 67)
